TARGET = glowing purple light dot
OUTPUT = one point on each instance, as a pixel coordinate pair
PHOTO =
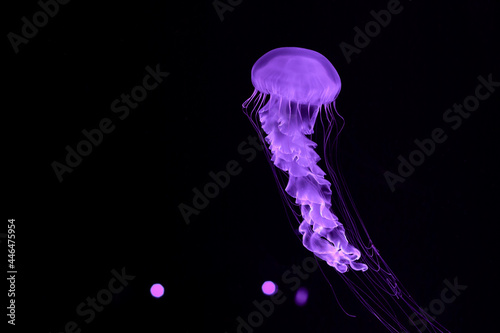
(301, 296)
(269, 288)
(157, 290)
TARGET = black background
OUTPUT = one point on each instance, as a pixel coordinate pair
(119, 207)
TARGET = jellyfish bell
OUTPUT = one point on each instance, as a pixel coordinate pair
(297, 74)
(299, 83)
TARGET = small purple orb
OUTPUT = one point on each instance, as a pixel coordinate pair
(301, 296)
(157, 290)
(269, 288)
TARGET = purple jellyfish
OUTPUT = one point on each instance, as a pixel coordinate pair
(293, 86)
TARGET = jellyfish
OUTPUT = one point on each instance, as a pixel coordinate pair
(292, 88)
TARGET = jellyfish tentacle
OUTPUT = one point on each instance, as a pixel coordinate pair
(286, 125)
